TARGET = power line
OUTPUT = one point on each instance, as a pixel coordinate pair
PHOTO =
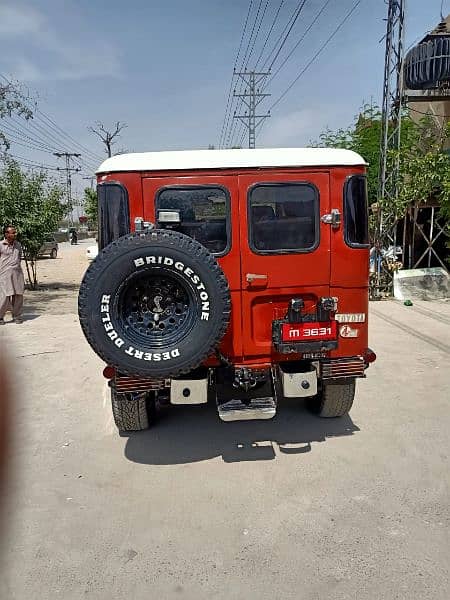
(314, 21)
(69, 137)
(18, 131)
(300, 8)
(30, 146)
(243, 67)
(35, 129)
(283, 33)
(258, 30)
(270, 33)
(50, 129)
(317, 54)
(252, 95)
(282, 38)
(246, 56)
(245, 61)
(32, 162)
(225, 119)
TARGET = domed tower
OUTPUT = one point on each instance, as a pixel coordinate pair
(427, 75)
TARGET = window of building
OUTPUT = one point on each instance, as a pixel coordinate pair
(283, 217)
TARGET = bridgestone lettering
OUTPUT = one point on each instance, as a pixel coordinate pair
(155, 304)
(166, 261)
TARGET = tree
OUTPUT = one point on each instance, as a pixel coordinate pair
(424, 165)
(91, 207)
(32, 204)
(108, 137)
(12, 101)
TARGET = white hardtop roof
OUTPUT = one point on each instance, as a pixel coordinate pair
(230, 159)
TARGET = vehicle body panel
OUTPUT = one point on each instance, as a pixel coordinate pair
(332, 269)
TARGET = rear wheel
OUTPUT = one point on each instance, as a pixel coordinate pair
(54, 253)
(133, 412)
(335, 399)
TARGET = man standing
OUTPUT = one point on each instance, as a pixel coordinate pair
(12, 283)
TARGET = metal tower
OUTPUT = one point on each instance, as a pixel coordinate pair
(251, 98)
(393, 101)
(68, 169)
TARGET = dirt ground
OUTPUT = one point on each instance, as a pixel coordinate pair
(295, 508)
(59, 280)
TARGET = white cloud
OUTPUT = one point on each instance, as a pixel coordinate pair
(21, 69)
(37, 50)
(296, 128)
(19, 20)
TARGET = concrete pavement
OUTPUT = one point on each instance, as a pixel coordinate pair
(297, 507)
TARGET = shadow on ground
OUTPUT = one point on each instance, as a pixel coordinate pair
(195, 433)
(51, 298)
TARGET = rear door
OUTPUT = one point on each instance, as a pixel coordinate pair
(209, 209)
(285, 250)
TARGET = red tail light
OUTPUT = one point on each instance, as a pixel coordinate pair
(369, 356)
(109, 372)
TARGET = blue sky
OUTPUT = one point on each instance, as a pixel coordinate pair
(164, 68)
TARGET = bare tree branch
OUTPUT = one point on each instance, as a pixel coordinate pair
(107, 137)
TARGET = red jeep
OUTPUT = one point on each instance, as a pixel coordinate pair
(242, 273)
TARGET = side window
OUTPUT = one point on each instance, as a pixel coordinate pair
(113, 213)
(283, 217)
(356, 229)
(204, 214)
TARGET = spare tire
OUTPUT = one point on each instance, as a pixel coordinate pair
(154, 304)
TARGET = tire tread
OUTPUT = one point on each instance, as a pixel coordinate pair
(177, 240)
(129, 415)
(336, 399)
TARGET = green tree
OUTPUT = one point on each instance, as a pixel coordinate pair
(363, 137)
(91, 207)
(31, 203)
(424, 165)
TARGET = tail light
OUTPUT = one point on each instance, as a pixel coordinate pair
(369, 356)
(109, 372)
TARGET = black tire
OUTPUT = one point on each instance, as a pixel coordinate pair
(335, 400)
(54, 253)
(154, 304)
(130, 414)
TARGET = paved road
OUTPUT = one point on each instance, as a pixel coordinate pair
(297, 508)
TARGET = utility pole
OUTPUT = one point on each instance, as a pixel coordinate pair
(68, 169)
(92, 178)
(251, 98)
(393, 103)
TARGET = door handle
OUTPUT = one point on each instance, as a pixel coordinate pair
(251, 277)
(333, 218)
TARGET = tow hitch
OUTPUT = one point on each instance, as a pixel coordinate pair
(251, 396)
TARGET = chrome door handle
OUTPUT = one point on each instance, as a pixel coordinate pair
(333, 218)
(251, 277)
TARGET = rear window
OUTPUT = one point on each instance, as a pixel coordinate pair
(113, 213)
(356, 229)
(204, 213)
(283, 217)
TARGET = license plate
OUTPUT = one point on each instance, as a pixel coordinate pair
(312, 331)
